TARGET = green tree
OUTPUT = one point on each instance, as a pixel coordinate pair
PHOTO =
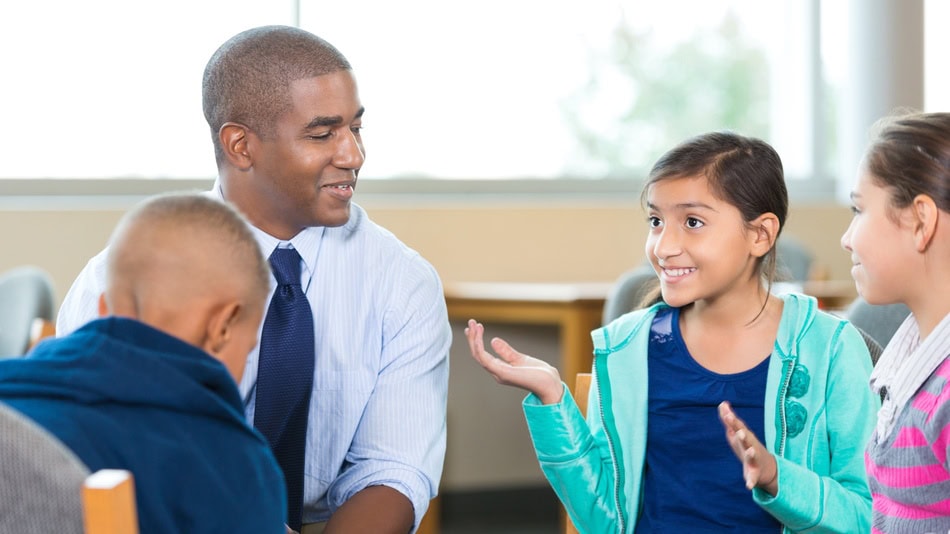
(640, 100)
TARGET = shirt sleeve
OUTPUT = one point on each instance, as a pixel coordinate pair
(400, 440)
(81, 304)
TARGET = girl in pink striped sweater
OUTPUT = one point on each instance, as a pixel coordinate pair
(899, 240)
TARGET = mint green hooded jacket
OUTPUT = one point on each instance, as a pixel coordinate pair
(819, 413)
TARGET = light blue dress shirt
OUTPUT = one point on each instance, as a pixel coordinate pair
(377, 413)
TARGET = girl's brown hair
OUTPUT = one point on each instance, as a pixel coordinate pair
(910, 156)
(743, 171)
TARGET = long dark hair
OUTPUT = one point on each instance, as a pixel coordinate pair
(743, 171)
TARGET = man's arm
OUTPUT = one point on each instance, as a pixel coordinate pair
(400, 440)
(375, 509)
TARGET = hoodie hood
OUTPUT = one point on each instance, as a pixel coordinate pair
(126, 362)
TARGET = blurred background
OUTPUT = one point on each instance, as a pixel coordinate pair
(507, 142)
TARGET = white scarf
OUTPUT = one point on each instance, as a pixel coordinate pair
(904, 366)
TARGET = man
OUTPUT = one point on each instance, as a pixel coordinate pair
(285, 117)
(151, 387)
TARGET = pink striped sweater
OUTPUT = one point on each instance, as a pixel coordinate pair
(908, 471)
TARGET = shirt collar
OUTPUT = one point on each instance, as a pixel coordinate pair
(306, 242)
(905, 365)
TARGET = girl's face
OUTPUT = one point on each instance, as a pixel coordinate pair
(699, 245)
(881, 244)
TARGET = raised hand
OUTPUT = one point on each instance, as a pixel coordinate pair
(513, 368)
(758, 465)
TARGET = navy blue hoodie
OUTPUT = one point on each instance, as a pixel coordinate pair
(124, 395)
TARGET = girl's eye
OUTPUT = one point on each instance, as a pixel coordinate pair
(855, 210)
(693, 223)
(654, 222)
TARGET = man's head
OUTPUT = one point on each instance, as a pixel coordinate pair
(285, 117)
(188, 265)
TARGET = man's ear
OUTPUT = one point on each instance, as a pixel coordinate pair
(103, 306)
(221, 327)
(925, 214)
(234, 139)
(765, 229)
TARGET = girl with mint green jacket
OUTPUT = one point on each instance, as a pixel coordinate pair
(720, 389)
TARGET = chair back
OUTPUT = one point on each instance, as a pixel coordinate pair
(793, 259)
(108, 502)
(628, 292)
(40, 479)
(878, 321)
(581, 392)
(26, 293)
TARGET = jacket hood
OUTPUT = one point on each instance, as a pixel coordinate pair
(123, 361)
(797, 315)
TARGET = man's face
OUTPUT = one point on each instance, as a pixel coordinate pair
(305, 173)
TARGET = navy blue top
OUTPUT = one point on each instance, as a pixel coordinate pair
(692, 480)
(123, 395)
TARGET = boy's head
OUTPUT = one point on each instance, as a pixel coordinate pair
(188, 265)
(248, 78)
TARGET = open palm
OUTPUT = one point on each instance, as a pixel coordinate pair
(513, 368)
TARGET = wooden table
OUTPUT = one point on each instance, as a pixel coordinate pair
(575, 308)
(831, 294)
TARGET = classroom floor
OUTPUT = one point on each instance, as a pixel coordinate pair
(517, 511)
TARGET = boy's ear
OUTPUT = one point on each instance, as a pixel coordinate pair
(925, 214)
(765, 231)
(221, 326)
(103, 305)
(234, 139)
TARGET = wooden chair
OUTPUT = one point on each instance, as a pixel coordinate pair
(432, 521)
(108, 503)
(39, 330)
(581, 391)
(43, 481)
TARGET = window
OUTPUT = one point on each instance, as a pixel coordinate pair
(454, 90)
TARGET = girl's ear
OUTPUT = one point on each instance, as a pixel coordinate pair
(925, 213)
(765, 229)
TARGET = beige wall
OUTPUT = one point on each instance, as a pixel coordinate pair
(488, 444)
(484, 242)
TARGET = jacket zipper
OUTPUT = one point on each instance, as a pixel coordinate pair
(783, 392)
(613, 456)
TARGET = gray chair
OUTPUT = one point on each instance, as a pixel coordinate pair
(26, 294)
(879, 321)
(628, 292)
(40, 479)
(794, 260)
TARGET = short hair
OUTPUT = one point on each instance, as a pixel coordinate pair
(248, 78)
(909, 155)
(195, 215)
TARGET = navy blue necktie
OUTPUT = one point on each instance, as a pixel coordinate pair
(285, 376)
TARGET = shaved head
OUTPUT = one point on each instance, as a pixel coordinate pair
(178, 261)
(248, 78)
